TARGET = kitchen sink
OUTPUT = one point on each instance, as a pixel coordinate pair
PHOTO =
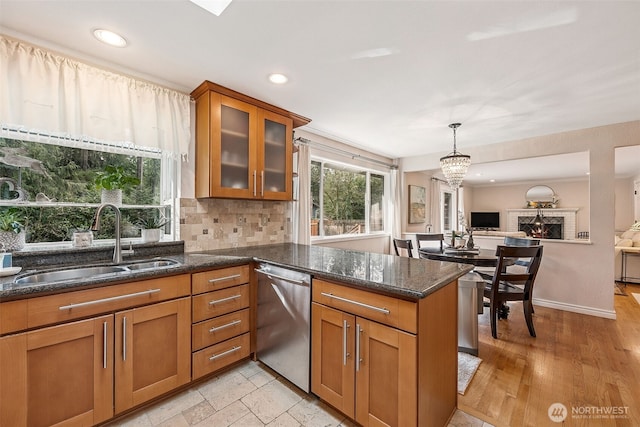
(159, 263)
(91, 272)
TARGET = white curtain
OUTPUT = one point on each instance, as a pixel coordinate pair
(396, 207)
(435, 209)
(50, 98)
(302, 208)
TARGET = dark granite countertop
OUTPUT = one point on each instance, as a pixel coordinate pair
(408, 278)
(398, 276)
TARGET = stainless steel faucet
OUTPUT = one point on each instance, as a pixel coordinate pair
(117, 251)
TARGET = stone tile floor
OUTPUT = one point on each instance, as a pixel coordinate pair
(246, 396)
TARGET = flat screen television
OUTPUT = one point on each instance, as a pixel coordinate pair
(485, 220)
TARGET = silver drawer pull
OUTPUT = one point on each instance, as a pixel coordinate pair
(103, 300)
(104, 345)
(286, 279)
(359, 304)
(220, 279)
(221, 300)
(228, 325)
(225, 353)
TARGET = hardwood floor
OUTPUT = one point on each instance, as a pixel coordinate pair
(589, 364)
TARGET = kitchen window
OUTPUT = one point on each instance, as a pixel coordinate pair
(52, 187)
(346, 200)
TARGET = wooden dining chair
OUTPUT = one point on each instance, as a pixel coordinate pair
(404, 244)
(513, 286)
(431, 237)
(487, 273)
(521, 241)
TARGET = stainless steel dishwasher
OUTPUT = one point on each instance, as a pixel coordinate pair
(283, 322)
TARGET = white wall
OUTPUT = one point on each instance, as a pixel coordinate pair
(378, 244)
(576, 277)
(624, 212)
(572, 194)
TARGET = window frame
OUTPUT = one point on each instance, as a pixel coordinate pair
(367, 201)
(168, 181)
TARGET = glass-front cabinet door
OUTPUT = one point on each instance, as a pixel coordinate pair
(276, 153)
(234, 168)
(244, 147)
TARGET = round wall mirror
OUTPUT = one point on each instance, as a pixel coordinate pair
(540, 193)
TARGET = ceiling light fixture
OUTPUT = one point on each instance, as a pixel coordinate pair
(455, 165)
(214, 6)
(278, 78)
(109, 37)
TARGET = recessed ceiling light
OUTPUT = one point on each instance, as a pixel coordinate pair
(214, 6)
(109, 37)
(278, 78)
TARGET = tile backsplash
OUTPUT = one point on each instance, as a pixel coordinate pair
(207, 224)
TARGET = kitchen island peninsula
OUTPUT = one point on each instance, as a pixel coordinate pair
(383, 331)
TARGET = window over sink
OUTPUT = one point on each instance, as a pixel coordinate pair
(52, 187)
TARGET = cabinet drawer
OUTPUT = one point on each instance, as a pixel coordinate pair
(208, 281)
(390, 311)
(221, 328)
(74, 305)
(220, 355)
(213, 304)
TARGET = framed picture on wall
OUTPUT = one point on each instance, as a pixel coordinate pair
(417, 204)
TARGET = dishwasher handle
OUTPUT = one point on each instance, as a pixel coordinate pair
(268, 273)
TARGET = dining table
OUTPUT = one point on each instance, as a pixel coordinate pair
(478, 257)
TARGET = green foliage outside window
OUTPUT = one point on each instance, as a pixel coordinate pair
(65, 174)
(344, 202)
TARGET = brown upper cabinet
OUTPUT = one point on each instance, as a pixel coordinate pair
(244, 147)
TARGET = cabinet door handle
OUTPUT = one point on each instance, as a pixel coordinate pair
(345, 354)
(262, 183)
(104, 345)
(124, 339)
(221, 300)
(224, 353)
(228, 325)
(358, 351)
(110, 299)
(358, 303)
(254, 183)
(220, 279)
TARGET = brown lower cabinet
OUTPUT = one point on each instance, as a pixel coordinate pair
(87, 371)
(152, 348)
(58, 375)
(364, 369)
(383, 361)
(83, 357)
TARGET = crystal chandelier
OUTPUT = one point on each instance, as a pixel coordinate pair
(455, 165)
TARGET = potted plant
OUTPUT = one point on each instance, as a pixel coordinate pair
(112, 180)
(12, 234)
(151, 227)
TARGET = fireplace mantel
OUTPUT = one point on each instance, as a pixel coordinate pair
(569, 215)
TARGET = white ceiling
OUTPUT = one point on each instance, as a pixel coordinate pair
(385, 75)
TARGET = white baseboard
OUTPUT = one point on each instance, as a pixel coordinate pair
(607, 314)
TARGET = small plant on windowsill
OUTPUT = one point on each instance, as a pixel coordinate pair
(12, 231)
(112, 181)
(151, 227)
